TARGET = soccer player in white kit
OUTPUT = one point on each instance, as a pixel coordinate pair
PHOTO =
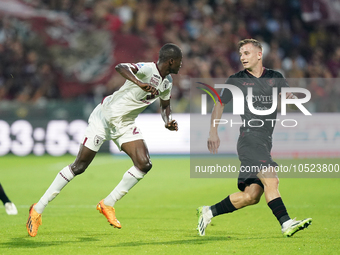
(114, 119)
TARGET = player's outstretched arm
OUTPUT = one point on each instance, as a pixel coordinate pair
(166, 115)
(214, 140)
(128, 71)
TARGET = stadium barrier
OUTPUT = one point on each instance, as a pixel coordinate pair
(313, 136)
(58, 137)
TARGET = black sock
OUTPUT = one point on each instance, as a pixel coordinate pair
(279, 210)
(225, 206)
(3, 196)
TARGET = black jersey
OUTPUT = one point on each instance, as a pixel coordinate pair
(262, 97)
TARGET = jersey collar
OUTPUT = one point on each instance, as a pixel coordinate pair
(159, 71)
(263, 72)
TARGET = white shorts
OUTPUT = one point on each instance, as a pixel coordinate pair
(100, 130)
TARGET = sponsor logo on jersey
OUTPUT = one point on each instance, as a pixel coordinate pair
(98, 140)
(154, 81)
(261, 98)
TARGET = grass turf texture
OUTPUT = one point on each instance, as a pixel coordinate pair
(158, 215)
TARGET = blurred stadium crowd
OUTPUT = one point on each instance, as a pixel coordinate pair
(207, 31)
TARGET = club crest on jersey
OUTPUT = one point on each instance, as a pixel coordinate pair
(98, 140)
(271, 82)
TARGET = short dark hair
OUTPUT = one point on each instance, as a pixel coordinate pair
(169, 51)
(254, 42)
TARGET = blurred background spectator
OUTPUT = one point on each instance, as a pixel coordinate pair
(66, 50)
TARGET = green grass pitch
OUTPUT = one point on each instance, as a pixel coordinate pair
(158, 215)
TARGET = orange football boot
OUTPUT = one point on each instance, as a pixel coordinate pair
(109, 213)
(33, 222)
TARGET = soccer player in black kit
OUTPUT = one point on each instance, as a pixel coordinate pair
(254, 143)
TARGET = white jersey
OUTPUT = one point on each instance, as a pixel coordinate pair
(123, 106)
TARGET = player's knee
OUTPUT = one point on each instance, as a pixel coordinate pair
(78, 168)
(144, 165)
(254, 200)
(251, 199)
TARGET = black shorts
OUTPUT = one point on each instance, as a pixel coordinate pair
(253, 150)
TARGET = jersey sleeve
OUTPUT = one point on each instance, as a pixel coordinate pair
(144, 70)
(226, 95)
(167, 86)
(282, 82)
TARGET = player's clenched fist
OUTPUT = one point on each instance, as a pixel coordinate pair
(172, 125)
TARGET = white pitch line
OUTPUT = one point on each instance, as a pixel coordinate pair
(61, 206)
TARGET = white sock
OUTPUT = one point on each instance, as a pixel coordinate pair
(60, 181)
(130, 179)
